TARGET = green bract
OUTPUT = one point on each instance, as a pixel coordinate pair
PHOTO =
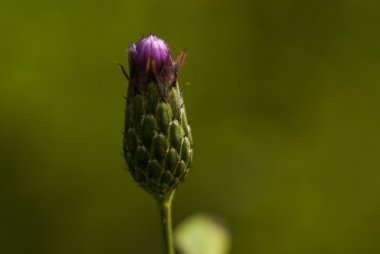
(157, 141)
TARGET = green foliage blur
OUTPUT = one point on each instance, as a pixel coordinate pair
(283, 101)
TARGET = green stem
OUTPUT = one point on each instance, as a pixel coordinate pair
(165, 205)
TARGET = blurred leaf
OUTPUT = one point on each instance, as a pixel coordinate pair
(202, 234)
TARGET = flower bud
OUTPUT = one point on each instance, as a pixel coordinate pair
(150, 60)
(151, 50)
(158, 145)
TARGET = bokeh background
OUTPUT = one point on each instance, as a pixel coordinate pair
(283, 101)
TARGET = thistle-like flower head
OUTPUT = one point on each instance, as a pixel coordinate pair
(158, 145)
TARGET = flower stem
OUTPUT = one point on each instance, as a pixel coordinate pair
(165, 205)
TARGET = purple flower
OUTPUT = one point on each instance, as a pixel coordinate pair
(149, 56)
(150, 60)
(151, 49)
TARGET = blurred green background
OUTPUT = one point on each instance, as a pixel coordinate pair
(283, 102)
